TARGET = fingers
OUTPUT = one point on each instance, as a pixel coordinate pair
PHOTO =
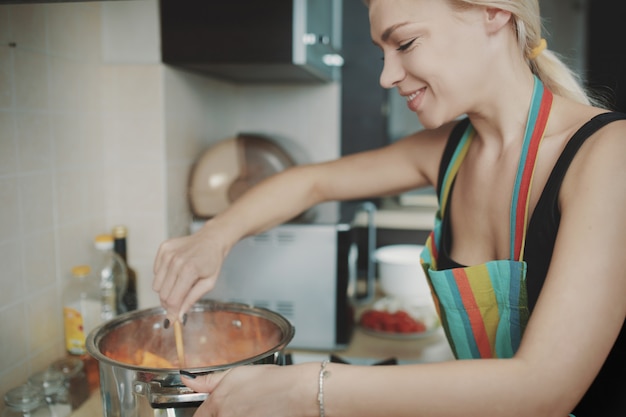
(196, 292)
(180, 286)
(181, 291)
(204, 383)
(173, 276)
(161, 265)
(184, 270)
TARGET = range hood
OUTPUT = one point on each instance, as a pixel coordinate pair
(253, 41)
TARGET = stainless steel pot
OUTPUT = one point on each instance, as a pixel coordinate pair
(139, 369)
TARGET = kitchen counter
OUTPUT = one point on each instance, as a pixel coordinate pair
(397, 217)
(90, 408)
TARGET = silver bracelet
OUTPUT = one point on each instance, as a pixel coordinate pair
(320, 394)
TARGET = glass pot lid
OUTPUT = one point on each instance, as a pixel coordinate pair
(214, 335)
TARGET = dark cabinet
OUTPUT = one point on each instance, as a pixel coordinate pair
(606, 57)
(253, 41)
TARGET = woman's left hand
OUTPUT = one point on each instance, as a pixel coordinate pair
(258, 390)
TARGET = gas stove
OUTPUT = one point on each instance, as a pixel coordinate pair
(294, 358)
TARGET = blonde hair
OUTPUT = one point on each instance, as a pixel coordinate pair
(547, 65)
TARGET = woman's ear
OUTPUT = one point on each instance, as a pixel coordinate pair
(496, 19)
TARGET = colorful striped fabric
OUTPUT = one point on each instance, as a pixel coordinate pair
(484, 308)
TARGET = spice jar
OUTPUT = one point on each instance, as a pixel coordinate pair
(54, 389)
(76, 384)
(26, 401)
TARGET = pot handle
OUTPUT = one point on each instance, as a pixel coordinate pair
(161, 395)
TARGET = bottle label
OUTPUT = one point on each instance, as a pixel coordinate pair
(74, 331)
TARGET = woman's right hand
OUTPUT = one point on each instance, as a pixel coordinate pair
(186, 268)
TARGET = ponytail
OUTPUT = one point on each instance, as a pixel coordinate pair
(544, 63)
(558, 77)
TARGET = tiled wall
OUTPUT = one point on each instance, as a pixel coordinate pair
(90, 138)
(80, 142)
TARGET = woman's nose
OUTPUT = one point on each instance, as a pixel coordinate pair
(392, 72)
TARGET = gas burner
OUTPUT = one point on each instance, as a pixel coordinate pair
(337, 359)
(295, 358)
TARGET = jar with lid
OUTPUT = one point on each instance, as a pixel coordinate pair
(55, 392)
(26, 401)
(75, 379)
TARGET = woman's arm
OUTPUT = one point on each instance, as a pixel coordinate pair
(575, 323)
(186, 268)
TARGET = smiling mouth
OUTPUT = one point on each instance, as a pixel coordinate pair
(414, 100)
(412, 96)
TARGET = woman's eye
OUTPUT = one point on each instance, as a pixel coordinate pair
(406, 46)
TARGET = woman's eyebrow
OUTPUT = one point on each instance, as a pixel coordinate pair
(387, 33)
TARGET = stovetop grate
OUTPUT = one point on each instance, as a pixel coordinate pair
(291, 358)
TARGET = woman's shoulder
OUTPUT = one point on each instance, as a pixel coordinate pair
(597, 142)
(570, 119)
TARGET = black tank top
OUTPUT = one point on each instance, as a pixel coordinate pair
(607, 395)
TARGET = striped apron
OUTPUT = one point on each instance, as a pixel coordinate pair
(484, 308)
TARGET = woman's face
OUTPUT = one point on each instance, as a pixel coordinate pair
(432, 55)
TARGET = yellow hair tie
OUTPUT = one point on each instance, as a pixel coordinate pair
(534, 53)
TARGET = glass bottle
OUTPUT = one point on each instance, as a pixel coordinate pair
(120, 234)
(55, 392)
(81, 308)
(112, 275)
(26, 401)
(81, 314)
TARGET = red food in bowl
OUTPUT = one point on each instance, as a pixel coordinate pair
(397, 322)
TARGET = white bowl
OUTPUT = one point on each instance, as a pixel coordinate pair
(400, 273)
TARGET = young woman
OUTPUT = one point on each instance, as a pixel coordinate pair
(524, 261)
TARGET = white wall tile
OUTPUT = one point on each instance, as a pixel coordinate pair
(5, 23)
(134, 188)
(39, 262)
(29, 27)
(130, 32)
(44, 318)
(132, 89)
(179, 215)
(7, 85)
(30, 77)
(74, 247)
(8, 143)
(73, 87)
(10, 212)
(74, 31)
(41, 359)
(11, 261)
(77, 141)
(96, 192)
(133, 137)
(34, 141)
(306, 116)
(36, 203)
(72, 199)
(15, 351)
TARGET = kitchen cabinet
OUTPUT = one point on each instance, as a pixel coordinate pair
(254, 41)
